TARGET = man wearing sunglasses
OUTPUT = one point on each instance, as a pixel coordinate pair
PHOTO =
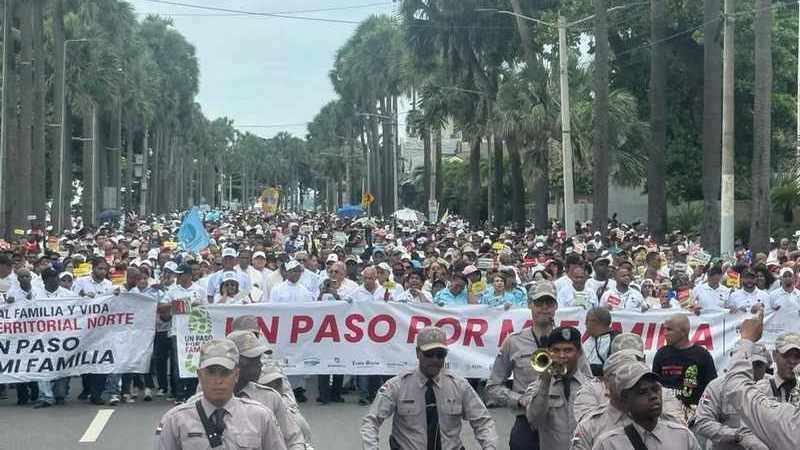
(428, 404)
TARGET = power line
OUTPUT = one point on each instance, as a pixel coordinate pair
(299, 11)
(254, 13)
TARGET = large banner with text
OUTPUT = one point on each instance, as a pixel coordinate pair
(377, 338)
(46, 339)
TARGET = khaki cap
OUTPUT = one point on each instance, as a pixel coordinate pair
(248, 344)
(269, 373)
(430, 338)
(219, 352)
(620, 359)
(626, 376)
(627, 341)
(760, 353)
(787, 341)
(541, 290)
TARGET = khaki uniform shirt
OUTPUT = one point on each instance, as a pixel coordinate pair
(594, 394)
(404, 397)
(665, 436)
(551, 413)
(294, 410)
(601, 420)
(776, 424)
(717, 420)
(765, 386)
(248, 425)
(514, 359)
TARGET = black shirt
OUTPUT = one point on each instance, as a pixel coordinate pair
(688, 371)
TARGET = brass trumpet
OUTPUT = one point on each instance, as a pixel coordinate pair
(542, 362)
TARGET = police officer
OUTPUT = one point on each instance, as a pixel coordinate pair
(549, 399)
(218, 419)
(251, 348)
(717, 420)
(428, 404)
(776, 424)
(787, 356)
(640, 391)
(514, 359)
(611, 415)
(272, 376)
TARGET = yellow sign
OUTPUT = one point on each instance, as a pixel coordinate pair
(269, 200)
(367, 199)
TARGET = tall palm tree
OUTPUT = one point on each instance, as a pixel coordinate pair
(656, 176)
(762, 128)
(600, 119)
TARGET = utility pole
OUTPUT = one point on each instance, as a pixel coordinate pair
(4, 115)
(727, 198)
(566, 134)
(798, 84)
(144, 181)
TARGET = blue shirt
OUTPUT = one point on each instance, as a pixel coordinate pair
(516, 297)
(448, 298)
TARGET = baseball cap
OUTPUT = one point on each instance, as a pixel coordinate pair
(787, 341)
(618, 360)
(219, 352)
(229, 251)
(385, 267)
(229, 276)
(269, 373)
(259, 255)
(469, 270)
(248, 344)
(626, 376)
(565, 334)
(63, 275)
(760, 353)
(784, 271)
(627, 341)
(172, 266)
(292, 264)
(430, 338)
(183, 268)
(543, 290)
(333, 257)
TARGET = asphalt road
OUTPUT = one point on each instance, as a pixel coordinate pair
(132, 426)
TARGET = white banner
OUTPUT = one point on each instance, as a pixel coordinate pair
(47, 339)
(378, 338)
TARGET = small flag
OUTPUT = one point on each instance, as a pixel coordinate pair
(192, 235)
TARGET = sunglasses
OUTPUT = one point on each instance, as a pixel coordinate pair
(438, 353)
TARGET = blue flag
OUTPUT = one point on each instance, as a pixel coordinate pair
(192, 234)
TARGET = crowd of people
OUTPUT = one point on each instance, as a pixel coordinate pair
(671, 402)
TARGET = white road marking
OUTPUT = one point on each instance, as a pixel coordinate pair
(97, 425)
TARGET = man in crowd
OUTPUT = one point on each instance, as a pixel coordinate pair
(597, 347)
(782, 383)
(683, 365)
(622, 296)
(428, 404)
(711, 295)
(749, 295)
(513, 360)
(218, 418)
(786, 297)
(575, 292)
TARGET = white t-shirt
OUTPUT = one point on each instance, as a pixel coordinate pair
(90, 287)
(288, 292)
(614, 299)
(593, 284)
(569, 296)
(744, 301)
(780, 299)
(711, 299)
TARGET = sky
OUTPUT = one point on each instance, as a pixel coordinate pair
(266, 71)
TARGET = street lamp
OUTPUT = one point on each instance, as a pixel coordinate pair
(62, 147)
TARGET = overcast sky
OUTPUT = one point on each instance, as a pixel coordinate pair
(263, 70)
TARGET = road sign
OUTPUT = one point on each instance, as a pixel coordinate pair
(367, 199)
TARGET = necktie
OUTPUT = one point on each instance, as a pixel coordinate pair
(432, 416)
(566, 380)
(217, 420)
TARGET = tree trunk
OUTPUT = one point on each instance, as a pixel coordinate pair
(60, 164)
(517, 188)
(115, 152)
(22, 206)
(87, 167)
(499, 191)
(38, 179)
(10, 180)
(712, 125)
(762, 127)
(656, 195)
(130, 136)
(600, 119)
(437, 149)
(427, 169)
(145, 183)
(541, 189)
(475, 183)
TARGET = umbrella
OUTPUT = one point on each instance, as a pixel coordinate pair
(409, 215)
(366, 222)
(349, 211)
(109, 215)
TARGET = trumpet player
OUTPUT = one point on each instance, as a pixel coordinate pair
(514, 359)
(550, 398)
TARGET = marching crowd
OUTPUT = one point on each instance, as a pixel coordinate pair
(596, 392)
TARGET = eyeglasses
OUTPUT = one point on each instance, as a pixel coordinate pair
(438, 353)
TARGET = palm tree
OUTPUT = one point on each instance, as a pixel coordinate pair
(712, 125)
(600, 119)
(656, 176)
(762, 124)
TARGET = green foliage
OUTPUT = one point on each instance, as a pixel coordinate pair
(687, 217)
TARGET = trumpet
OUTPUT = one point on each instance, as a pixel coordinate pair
(542, 362)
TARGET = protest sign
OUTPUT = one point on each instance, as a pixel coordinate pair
(46, 339)
(378, 338)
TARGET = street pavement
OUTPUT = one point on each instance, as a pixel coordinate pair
(132, 426)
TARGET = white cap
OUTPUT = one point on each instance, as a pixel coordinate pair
(229, 276)
(385, 267)
(152, 254)
(229, 251)
(292, 264)
(172, 266)
(784, 271)
(333, 257)
(259, 255)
